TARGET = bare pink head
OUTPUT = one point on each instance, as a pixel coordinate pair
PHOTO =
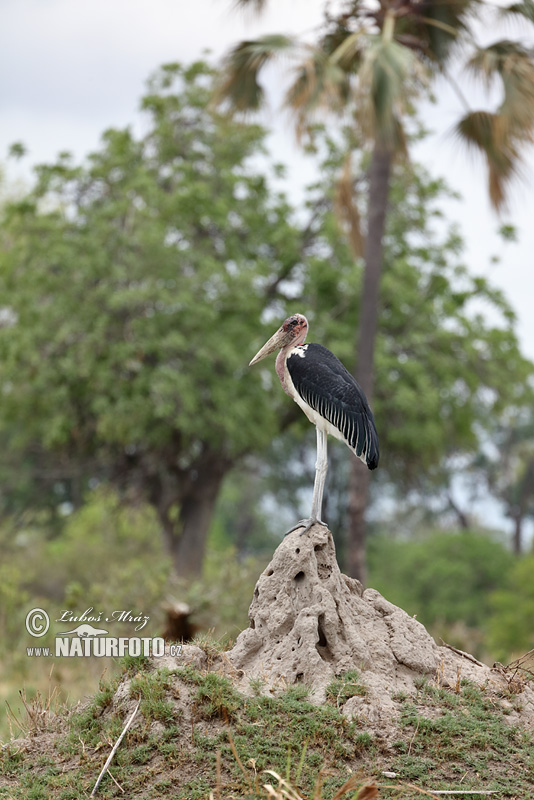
(292, 332)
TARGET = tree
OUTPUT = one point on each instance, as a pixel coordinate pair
(442, 577)
(369, 64)
(506, 465)
(510, 625)
(135, 283)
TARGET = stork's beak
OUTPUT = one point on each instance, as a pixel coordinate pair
(276, 342)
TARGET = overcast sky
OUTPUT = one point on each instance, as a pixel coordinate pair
(71, 68)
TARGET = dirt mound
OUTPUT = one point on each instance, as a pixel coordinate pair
(309, 623)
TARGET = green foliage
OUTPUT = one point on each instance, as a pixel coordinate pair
(508, 232)
(135, 281)
(147, 251)
(241, 520)
(109, 557)
(444, 578)
(221, 597)
(13, 599)
(507, 468)
(373, 75)
(441, 360)
(510, 625)
(17, 150)
(101, 557)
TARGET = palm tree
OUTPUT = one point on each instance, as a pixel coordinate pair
(369, 65)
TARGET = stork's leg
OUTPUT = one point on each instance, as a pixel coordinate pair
(321, 468)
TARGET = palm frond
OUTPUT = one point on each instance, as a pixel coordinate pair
(524, 9)
(319, 85)
(347, 209)
(388, 77)
(348, 52)
(437, 26)
(499, 58)
(500, 136)
(489, 134)
(239, 84)
(335, 39)
(514, 65)
(257, 6)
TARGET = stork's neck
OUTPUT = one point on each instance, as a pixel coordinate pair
(280, 365)
(281, 358)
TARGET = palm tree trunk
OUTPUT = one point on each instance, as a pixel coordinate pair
(379, 183)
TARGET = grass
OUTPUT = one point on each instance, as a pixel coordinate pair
(195, 734)
(344, 687)
(273, 732)
(153, 688)
(212, 646)
(467, 738)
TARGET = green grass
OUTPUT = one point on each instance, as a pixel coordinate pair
(134, 664)
(215, 695)
(344, 687)
(272, 732)
(153, 688)
(212, 646)
(467, 738)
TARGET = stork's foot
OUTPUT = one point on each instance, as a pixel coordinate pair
(306, 524)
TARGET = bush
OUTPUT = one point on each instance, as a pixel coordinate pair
(447, 579)
(511, 628)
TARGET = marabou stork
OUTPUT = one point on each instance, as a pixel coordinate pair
(329, 396)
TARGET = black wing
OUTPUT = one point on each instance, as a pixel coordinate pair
(328, 387)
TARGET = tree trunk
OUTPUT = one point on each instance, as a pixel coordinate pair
(518, 534)
(358, 493)
(379, 182)
(463, 519)
(519, 511)
(194, 521)
(186, 535)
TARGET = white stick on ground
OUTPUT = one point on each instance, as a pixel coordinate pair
(115, 747)
(449, 792)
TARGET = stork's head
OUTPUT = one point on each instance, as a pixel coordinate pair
(292, 332)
